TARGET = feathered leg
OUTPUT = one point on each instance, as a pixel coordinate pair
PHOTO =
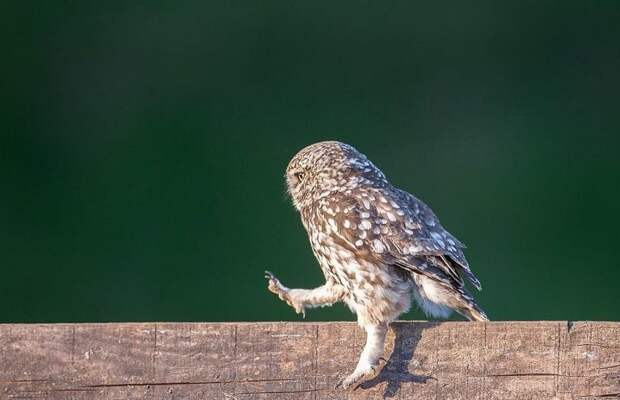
(300, 299)
(368, 365)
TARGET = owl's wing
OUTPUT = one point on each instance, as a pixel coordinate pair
(433, 239)
(397, 229)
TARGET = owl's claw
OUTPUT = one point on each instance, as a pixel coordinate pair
(275, 286)
(283, 293)
(354, 380)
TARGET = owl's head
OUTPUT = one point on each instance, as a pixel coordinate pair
(325, 168)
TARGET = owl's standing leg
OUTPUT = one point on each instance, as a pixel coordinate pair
(368, 365)
(300, 299)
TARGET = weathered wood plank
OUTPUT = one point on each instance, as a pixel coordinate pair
(241, 361)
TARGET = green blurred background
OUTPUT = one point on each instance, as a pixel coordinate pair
(144, 145)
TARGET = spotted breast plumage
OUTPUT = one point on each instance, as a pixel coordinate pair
(377, 246)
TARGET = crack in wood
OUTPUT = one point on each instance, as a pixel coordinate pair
(607, 367)
(557, 370)
(524, 374)
(604, 346)
(180, 383)
(283, 391)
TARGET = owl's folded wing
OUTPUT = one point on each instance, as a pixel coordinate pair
(402, 232)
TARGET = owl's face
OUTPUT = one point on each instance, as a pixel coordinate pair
(325, 168)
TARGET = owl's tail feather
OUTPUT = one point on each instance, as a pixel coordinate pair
(470, 310)
(474, 314)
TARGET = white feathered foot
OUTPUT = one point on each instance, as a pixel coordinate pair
(370, 362)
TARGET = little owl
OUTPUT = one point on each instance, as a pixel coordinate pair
(376, 244)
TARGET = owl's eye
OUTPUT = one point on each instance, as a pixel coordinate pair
(300, 176)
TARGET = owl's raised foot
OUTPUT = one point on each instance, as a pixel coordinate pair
(358, 377)
(284, 293)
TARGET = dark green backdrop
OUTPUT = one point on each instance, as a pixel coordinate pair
(144, 145)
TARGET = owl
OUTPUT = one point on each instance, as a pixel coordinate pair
(377, 245)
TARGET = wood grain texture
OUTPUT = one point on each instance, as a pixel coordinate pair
(241, 361)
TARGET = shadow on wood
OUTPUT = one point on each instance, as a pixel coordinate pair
(396, 370)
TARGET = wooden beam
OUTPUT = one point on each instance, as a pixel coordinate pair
(235, 361)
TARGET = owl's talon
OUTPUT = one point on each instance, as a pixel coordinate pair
(354, 380)
(339, 384)
(275, 286)
(283, 293)
(271, 277)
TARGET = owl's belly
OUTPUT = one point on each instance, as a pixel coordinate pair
(376, 293)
